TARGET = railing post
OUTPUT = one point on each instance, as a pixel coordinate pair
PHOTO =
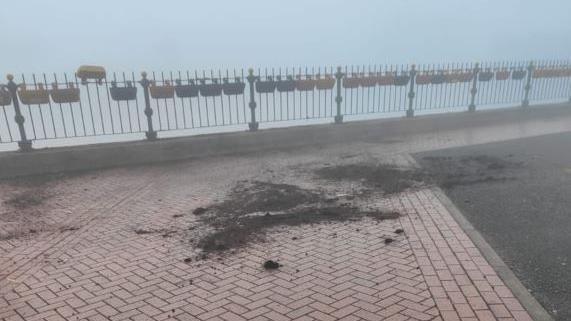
(151, 133)
(339, 79)
(530, 68)
(474, 90)
(410, 110)
(253, 124)
(25, 144)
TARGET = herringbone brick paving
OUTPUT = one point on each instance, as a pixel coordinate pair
(85, 260)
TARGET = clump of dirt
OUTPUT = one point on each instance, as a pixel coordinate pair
(27, 199)
(271, 265)
(449, 172)
(163, 232)
(390, 179)
(68, 228)
(143, 231)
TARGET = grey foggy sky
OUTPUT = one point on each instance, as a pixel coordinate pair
(59, 35)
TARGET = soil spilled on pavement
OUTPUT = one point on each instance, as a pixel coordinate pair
(446, 172)
(44, 179)
(449, 172)
(388, 178)
(252, 208)
(256, 196)
(27, 199)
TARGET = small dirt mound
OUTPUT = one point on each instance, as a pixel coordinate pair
(271, 265)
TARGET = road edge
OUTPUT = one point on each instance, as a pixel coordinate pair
(532, 306)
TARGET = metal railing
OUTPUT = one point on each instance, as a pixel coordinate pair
(64, 106)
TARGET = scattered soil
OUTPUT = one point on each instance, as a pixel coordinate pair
(143, 231)
(199, 211)
(243, 230)
(68, 228)
(390, 179)
(449, 172)
(163, 232)
(245, 216)
(256, 196)
(27, 199)
(39, 180)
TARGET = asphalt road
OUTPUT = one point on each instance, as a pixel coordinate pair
(526, 215)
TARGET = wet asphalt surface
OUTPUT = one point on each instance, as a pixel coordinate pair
(526, 218)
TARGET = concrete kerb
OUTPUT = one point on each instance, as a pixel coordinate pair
(534, 308)
(531, 305)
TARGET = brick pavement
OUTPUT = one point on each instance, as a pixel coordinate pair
(85, 261)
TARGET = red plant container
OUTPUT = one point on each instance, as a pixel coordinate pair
(503, 75)
(368, 81)
(65, 95)
(325, 83)
(162, 92)
(305, 84)
(386, 79)
(423, 79)
(38, 96)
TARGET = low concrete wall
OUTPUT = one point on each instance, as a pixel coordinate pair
(52, 160)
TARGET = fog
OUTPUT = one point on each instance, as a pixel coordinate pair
(57, 36)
